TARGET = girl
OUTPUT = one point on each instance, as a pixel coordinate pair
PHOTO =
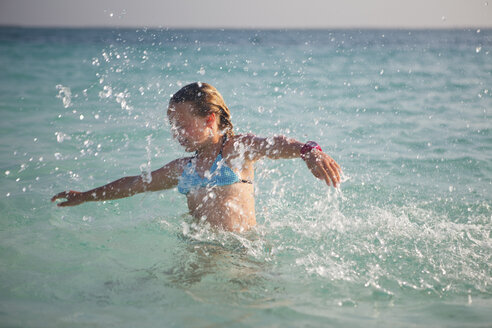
(218, 179)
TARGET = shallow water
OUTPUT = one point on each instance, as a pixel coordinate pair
(405, 242)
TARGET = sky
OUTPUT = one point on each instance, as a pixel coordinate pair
(248, 13)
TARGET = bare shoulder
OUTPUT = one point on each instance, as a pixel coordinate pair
(179, 163)
(167, 176)
(243, 139)
(245, 145)
(173, 168)
(238, 143)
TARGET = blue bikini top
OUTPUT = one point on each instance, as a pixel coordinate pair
(219, 175)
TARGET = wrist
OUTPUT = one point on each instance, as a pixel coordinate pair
(86, 196)
(308, 147)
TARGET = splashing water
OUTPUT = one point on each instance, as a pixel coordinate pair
(405, 242)
(65, 95)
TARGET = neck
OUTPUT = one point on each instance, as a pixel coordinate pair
(212, 148)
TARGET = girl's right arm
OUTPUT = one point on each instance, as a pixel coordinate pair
(164, 178)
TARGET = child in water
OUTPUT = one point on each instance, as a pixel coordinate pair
(218, 179)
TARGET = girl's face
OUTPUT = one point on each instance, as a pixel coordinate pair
(192, 131)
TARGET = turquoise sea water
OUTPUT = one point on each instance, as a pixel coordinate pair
(405, 242)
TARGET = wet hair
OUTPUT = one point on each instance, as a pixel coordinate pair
(206, 100)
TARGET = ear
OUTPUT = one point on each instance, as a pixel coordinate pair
(211, 120)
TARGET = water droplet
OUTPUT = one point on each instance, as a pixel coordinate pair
(106, 93)
(60, 137)
(186, 228)
(87, 218)
(65, 95)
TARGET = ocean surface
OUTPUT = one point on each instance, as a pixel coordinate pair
(405, 242)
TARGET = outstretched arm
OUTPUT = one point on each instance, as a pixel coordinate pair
(321, 164)
(164, 178)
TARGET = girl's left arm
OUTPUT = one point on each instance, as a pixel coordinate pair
(321, 164)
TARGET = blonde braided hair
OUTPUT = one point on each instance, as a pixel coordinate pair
(206, 100)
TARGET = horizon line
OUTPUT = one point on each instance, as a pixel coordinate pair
(246, 28)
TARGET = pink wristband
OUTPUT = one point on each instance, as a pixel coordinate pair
(308, 146)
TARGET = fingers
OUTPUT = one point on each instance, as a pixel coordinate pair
(334, 170)
(62, 194)
(338, 168)
(68, 202)
(322, 173)
(325, 168)
(68, 195)
(325, 176)
(331, 176)
(59, 196)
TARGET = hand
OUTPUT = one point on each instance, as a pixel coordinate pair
(72, 198)
(323, 167)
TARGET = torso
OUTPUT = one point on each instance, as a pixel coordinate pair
(231, 207)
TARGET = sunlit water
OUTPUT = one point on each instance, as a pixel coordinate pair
(406, 241)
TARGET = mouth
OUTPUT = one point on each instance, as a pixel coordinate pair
(186, 144)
